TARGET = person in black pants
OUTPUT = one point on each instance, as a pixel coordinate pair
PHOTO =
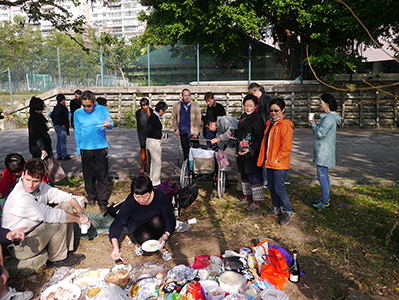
(75, 104)
(146, 213)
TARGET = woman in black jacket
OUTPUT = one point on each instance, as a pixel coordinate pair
(39, 139)
(249, 138)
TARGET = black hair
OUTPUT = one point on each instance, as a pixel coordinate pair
(330, 100)
(88, 95)
(14, 162)
(60, 97)
(185, 90)
(161, 105)
(279, 102)
(250, 97)
(79, 92)
(209, 95)
(210, 119)
(141, 185)
(254, 86)
(144, 101)
(36, 104)
(102, 101)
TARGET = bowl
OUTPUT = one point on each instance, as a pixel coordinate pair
(120, 278)
(231, 281)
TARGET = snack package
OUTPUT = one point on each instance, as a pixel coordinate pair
(195, 292)
(260, 250)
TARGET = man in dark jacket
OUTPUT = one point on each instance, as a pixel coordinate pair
(60, 117)
(213, 109)
(75, 104)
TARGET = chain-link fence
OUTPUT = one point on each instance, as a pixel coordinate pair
(41, 68)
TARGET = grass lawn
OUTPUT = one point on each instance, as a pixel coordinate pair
(351, 246)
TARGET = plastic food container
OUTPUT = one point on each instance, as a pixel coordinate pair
(273, 294)
(120, 278)
(209, 285)
(231, 281)
(216, 294)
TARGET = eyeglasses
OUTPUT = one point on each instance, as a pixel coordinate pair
(88, 106)
(274, 110)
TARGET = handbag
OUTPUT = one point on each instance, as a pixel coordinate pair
(53, 169)
(223, 161)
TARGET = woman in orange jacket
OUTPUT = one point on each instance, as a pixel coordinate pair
(275, 156)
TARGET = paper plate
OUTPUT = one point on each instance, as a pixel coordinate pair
(85, 281)
(73, 288)
(151, 246)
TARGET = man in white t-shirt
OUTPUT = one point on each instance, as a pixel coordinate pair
(28, 205)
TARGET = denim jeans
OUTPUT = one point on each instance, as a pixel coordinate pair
(61, 141)
(276, 180)
(264, 175)
(322, 176)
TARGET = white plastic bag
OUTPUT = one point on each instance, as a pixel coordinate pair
(112, 292)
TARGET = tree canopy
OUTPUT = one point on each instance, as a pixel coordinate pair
(327, 27)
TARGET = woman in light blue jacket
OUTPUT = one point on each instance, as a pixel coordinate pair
(324, 146)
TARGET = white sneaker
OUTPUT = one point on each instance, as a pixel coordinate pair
(14, 295)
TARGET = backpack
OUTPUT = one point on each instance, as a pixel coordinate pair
(187, 195)
(114, 209)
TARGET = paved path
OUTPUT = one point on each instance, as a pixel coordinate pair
(361, 154)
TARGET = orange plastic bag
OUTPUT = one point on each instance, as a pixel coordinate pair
(275, 270)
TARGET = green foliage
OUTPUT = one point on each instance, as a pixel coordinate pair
(130, 118)
(333, 35)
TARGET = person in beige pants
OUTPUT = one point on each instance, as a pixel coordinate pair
(154, 136)
(28, 205)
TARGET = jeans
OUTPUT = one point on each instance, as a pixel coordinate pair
(264, 175)
(61, 141)
(277, 190)
(322, 176)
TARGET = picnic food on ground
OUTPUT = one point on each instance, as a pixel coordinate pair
(61, 294)
(93, 292)
(120, 278)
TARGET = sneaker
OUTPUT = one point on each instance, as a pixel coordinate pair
(316, 202)
(67, 158)
(321, 205)
(70, 261)
(252, 207)
(273, 213)
(59, 158)
(242, 201)
(265, 185)
(138, 251)
(79, 257)
(166, 256)
(14, 295)
(285, 219)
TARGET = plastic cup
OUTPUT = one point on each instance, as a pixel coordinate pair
(311, 116)
(83, 229)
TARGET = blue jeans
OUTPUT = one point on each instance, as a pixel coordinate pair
(322, 176)
(264, 175)
(276, 179)
(61, 141)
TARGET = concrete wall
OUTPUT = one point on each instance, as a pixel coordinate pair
(300, 100)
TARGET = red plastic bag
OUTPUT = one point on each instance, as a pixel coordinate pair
(275, 269)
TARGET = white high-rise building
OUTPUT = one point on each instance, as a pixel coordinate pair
(120, 19)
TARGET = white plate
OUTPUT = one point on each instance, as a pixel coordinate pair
(151, 246)
(76, 291)
(126, 268)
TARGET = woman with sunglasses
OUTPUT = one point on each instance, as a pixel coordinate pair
(275, 156)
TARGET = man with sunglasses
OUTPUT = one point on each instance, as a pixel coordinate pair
(91, 122)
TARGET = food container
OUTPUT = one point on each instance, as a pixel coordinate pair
(120, 278)
(273, 294)
(216, 294)
(209, 285)
(231, 281)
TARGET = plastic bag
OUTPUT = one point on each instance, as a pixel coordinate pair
(275, 269)
(112, 292)
(223, 161)
(168, 188)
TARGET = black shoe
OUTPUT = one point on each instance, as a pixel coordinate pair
(67, 158)
(59, 158)
(103, 208)
(91, 202)
(70, 261)
(272, 213)
(285, 219)
(79, 257)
